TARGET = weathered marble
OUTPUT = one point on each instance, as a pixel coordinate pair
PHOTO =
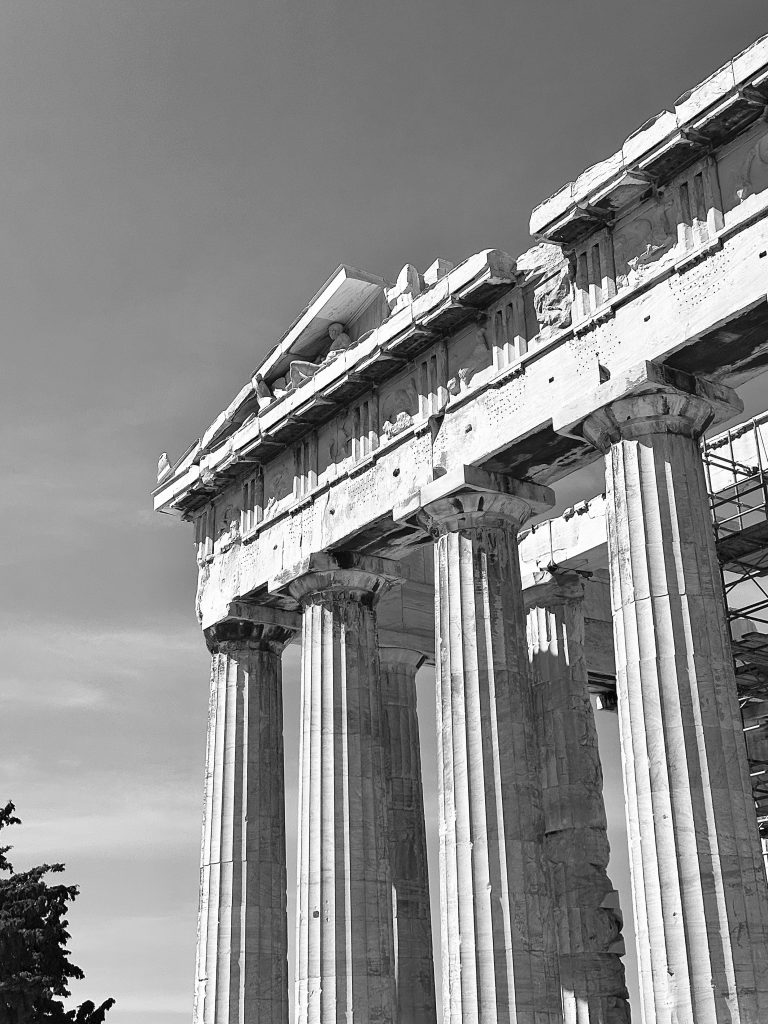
(586, 906)
(345, 955)
(498, 935)
(701, 906)
(462, 374)
(414, 967)
(242, 940)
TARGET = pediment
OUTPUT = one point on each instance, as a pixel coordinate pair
(343, 297)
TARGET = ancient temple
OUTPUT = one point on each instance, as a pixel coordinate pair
(377, 492)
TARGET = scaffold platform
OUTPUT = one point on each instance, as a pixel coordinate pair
(736, 466)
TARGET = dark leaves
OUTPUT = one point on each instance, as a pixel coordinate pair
(34, 960)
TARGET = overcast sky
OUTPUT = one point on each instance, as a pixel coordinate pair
(179, 177)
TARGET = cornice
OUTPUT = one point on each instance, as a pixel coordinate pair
(455, 299)
(705, 117)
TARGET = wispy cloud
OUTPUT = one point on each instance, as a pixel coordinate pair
(50, 694)
(106, 817)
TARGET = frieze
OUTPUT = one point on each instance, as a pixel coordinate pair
(469, 354)
(552, 303)
(398, 408)
(743, 171)
(643, 240)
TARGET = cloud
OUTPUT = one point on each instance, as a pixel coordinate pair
(51, 694)
(38, 650)
(103, 816)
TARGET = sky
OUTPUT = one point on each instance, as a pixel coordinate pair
(179, 178)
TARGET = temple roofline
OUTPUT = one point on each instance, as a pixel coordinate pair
(455, 298)
(708, 115)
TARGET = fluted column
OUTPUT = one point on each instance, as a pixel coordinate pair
(499, 951)
(587, 915)
(701, 911)
(242, 944)
(345, 964)
(408, 843)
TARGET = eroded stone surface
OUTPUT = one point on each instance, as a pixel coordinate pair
(242, 940)
(586, 906)
(345, 952)
(441, 388)
(496, 953)
(408, 840)
(701, 907)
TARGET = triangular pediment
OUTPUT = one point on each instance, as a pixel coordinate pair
(343, 297)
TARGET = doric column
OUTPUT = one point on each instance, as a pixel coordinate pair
(701, 911)
(345, 963)
(499, 951)
(242, 944)
(587, 915)
(414, 965)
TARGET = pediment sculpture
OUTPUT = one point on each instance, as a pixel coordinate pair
(405, 289)
(302, 370)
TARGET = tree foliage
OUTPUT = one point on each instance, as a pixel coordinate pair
(35, 969)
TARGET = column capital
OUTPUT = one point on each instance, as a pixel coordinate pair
(359, 577)
(471, 498)
(248, 624)
(232, 635)
(545, 589)
(649, 398)
(661, 411)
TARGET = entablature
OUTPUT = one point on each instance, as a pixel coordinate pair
(703, 119)
(472, 367)
(455, 299)
(488, 320)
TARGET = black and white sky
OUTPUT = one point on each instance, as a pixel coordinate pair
(179, 177)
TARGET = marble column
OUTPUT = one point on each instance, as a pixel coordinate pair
(242, 944)
(414, 965)
(345, 962)
(587, 915)
(498, 936)
(701, 907)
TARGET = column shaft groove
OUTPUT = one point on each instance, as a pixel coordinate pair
(345, 955)
(499, 955)
(701, 908)
(408, 843)
(587, 912)
(242, 968)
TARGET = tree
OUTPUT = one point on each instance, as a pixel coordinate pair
(35, 967)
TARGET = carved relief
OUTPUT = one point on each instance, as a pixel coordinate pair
(552, 302)
(278, 489)
(405, 289)
(643, 242)
(398, 409)
(229, 528)
(752, 176)
(301, 370)
(164, 468)
(339, 447)
(262, 391)
(478, 357)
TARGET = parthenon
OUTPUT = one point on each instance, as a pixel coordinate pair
(378, 492)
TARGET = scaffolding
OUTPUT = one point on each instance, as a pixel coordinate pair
(736, 466)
